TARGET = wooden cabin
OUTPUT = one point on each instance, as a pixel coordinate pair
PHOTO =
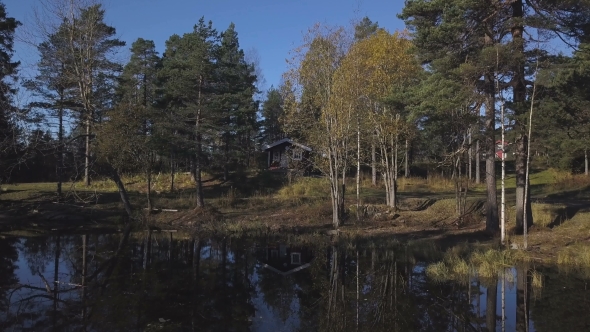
(286, 154)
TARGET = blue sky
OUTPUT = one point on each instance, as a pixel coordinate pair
(271, 27)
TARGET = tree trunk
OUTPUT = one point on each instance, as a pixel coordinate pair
(122, 192)
(519, 98)
(503, 305)
(56, 281)
(226, 159)
(522, 297)
(492, 199)
(503, 182)
(147, 253)
(520, 187)
(198, 181)
(84, 272)
(491, 302)
(586, 162)
(394, 195)
(470, 155)
(60, 152)
(87, 155)
(477, 161)
(336, 200)
(149, 187)
(395, 171)
(172, 173)
(407, 163)
(373, 165)
(358, 168)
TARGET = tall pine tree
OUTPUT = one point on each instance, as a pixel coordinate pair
(8, 70)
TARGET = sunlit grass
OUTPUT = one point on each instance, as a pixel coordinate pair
(311, 187)
(576, 255)
(536, 279)
(545, 214)
(462, 262)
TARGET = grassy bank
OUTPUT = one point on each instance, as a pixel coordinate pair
(260, 202)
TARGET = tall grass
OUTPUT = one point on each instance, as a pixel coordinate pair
(459, 264)
(564, 181)
(138, 182)
(545, 214)
(314, 187)
(577, 256)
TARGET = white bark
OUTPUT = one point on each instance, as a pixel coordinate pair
(358, 167)
(528, 160)
(470, 153)
(373, 165)
(406, 166)
(477, 160)
(503, 197)
(586, 162)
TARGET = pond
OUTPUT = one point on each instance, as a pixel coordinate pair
(174, 282)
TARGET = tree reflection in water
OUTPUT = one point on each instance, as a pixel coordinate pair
(172, 282)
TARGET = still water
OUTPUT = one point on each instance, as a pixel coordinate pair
(174, 282)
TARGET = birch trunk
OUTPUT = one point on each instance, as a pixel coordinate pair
(407, 163)
(477, 161)
(87, 154)
(358, 168)
(586, 162)
(470, 156)
(373, 166)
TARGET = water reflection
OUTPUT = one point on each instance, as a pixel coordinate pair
(171, 282)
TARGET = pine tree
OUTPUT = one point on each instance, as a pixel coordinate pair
(235, 100)
(459, 40)
(55, 88)
(272, 111)
(9, 133)
(365, 28)
(188, 83)
(90, 45)
(487, 39)
(135, 118)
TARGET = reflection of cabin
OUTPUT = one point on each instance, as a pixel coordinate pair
(284, 259)
(286, 154)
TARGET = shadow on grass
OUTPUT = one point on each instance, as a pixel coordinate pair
(567, 213)
(582, 193)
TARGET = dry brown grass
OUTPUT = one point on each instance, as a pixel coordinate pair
(545, 214)
(310, 187)
(563, 181)
(567, 244)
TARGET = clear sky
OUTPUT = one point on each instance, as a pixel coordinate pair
(271, 27)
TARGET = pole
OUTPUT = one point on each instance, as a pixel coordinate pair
(503, 198)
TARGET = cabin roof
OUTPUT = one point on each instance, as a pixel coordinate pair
(286, 141)
(284, 273)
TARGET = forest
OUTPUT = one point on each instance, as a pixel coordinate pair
(471, 93)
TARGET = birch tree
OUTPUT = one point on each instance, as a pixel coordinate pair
(311, 112)
(388, 66)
